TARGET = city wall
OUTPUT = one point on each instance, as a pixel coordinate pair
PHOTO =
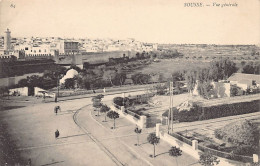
(10, 81)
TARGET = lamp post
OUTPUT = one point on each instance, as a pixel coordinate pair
(58, 87)
(123, 98)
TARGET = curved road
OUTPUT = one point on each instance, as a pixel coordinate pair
(114, 148)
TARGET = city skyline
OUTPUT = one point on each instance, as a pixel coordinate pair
(146, 21)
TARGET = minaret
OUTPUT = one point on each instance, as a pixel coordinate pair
(7, 40)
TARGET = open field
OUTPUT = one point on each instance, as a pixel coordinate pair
(169, 66)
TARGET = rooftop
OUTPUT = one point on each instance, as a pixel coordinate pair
(241, 77)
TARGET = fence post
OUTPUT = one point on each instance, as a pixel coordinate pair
(255, 158)
(122, 109)
(194, 144)
(158, 129)
(143, 121)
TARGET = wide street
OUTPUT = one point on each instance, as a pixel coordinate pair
(84, 138)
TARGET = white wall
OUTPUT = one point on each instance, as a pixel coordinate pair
(140, 122)
(21, 91)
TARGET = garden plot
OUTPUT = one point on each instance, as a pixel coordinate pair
(206, 138)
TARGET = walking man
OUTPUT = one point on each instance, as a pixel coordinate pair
(57, 134)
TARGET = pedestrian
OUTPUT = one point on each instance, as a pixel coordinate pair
(56, 109)
(57, 134)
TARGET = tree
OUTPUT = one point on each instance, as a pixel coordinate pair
(97, 102)
(251, 68)
(140, 78)
(222, 69)
(205, 89)
(110, 76)
(113, 115)
(120, 78)
(69, 83)
(175, 152)
(208, 159)
(104, 109)
(191, 78)
(138, 131)
(152, 139)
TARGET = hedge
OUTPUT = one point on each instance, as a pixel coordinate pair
(203, 113)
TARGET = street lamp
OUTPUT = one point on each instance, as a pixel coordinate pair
(58, 87)
(123, 98)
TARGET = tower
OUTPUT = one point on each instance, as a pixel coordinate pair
(7, 40)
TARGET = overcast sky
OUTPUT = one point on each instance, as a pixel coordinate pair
(163, 21)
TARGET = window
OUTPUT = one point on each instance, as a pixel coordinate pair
(39, 50)
(26, 48)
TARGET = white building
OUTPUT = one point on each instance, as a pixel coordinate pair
(245, 81)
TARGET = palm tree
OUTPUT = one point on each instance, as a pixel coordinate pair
(113, 115)
(175, 152)
(152, 139)
(97, 102)
(138, 131)
(104, 109)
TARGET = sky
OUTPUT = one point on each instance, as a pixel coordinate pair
(159, 21)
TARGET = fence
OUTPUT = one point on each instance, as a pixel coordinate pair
(181, 138)
(131, 116)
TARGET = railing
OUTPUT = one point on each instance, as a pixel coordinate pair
(218, 153)
(133, 114)
(226, 155)
(181, 138)
(128, 112)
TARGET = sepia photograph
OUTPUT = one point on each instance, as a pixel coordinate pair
(129, 82)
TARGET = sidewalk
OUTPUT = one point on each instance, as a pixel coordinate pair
(125, 133)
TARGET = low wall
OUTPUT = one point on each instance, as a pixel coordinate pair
(139, 122)
(19, 91)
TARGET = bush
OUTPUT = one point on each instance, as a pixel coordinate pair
(240, 133)
(204, 113)
(245, 150)
(120, 101)
(218, 134)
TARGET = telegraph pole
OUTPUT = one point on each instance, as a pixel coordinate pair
(170, 113)
(171, 84)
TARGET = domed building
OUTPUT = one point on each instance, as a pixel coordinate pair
(70, 74)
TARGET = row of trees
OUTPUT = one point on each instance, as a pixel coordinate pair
(49, 79)
(218, 70)
(251, 67)
(100, 107)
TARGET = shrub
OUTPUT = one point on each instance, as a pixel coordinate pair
(218, 134)
(240, 133)
(203, 113)
(120, 101)
(245, 150)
